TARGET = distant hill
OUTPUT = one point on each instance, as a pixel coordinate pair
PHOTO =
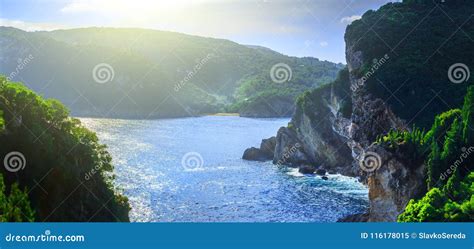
(152, 74)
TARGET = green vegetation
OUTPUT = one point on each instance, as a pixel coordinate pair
(2, 122)
(14, 207)
(446, 150)
(162, 74)
(67, 171)
(410, 144)
(419, 58)
(454, 202)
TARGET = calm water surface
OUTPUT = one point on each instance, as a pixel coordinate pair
(190, 170)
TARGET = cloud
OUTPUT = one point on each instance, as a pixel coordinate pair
(76, 7)
(350, 19)
(199, 17)
(323, 44)
(30, 26)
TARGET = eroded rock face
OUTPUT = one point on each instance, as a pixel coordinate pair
(318, 137)
(392, 185)
(288, 149)
(264, 153)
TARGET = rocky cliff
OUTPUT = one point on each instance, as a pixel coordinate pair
(318, 133)
(396, 77)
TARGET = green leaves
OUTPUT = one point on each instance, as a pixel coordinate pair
(441, 205)
(60, 152)
(415, 78)
(450, 179)
(15, 206)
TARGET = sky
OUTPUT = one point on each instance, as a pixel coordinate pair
(292, 27)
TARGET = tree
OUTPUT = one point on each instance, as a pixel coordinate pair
(60, 151)
(468, 116)
(16, 206)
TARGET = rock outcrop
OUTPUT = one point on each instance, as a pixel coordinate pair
(318, 133)
(393, 184)
(383, 88)
(307, 169)
(264, 153)
(288, 149)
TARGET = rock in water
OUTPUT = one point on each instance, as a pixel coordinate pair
(321, 172)
(268, 147)
(288, 149)
(264, 153)
(364, 217)
(306, 169)
(255, 154)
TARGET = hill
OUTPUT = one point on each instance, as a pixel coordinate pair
(152, 74)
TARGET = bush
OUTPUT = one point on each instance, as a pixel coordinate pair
(59, 153)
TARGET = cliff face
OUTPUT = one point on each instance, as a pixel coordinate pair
(392, 183)
(387, 86)
(319, 132)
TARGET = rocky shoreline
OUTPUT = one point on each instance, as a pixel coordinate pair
(322, 135)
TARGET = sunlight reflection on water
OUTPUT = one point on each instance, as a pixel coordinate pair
(147, 155)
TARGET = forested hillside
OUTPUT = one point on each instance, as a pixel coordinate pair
(139, 73)
(422, 40)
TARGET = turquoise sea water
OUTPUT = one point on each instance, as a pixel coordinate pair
(190, 170)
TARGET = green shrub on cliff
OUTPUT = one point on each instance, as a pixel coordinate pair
(14, 206)
(2, 122)
(454, 202)
(451, 143)
(66, 169)
(411, 144)
(449, 165)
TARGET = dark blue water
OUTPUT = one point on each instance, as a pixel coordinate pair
(191, 170)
